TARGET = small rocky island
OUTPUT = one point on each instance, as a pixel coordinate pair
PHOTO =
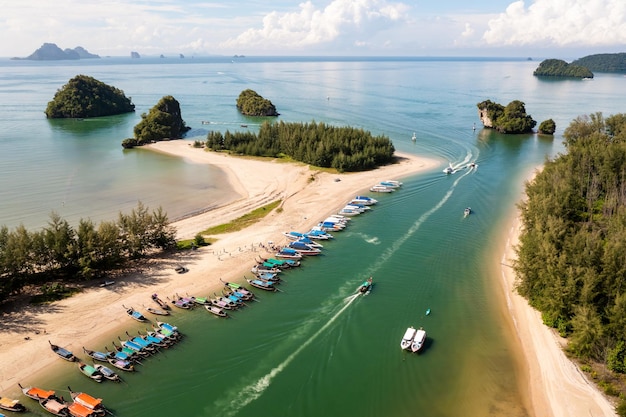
(250, 103)
(164, 121)
(84, 96)
(509, 119)
(51, 52)
(560, 69)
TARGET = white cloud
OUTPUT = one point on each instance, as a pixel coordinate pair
(561, 23)
(341, 21)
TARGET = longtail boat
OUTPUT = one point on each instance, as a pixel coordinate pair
(124, 365)
(10, 404)
(216, 311)
(108, 373)
(157, 311)
(263, 285)
(37, 393)
(90, 372)
(63, 353)
(160, 302)
(136, 315)
(55, 406)
(99, 356)
(86, 400)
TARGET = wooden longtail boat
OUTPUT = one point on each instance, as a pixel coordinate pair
(160, 302)
(55, 406)
(63, 353)
(135, 314)
(10, 404)
(124, 365)
(99, 356)
(79, 410)
(90, 372)
(157, 311)
(216, 311)
(263, 285)
(108, 373)
(86, 400)
(37, 393)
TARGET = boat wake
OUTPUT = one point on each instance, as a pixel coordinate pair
(387, 253)
(237, 399)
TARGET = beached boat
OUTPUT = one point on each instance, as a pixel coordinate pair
(11, 404)
(99, 356)
(86, 400)
(467, 211)
(418, 340)
(55, 406)
(63, 353)
(346, 211)
(168, 327)
(136, 315)
(160, 302)
(122, 353)
(216, 311)
(262, 268)
(294, 235)
(267, 276)
(124, 365)
(181, 303)
(181, 269)
(390, 184)
(199, 300)
(366, 286)
(248, 295)
(381, 189)
(310, 242)
(288, 253)
(364, 200)
(407, 339)
(319, 234)
(157, 311)
(90, 371)
(304, 249)
(37, 393)
(108, 373)
(261, 284)
(106, 283)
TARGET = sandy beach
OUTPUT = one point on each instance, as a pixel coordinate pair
(555, 386)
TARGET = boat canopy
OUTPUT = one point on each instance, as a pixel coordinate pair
(79, 410)
(8, 402)
(40, 393)
(409, 334)
(420, 335)
(55, 406)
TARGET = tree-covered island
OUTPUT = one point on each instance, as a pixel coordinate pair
(509, 119)
(164, 121)
(84, 96)
(604, 62)
(250, 103)
(561, 69)
(345, 149)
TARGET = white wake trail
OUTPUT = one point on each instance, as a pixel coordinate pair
(235, 401)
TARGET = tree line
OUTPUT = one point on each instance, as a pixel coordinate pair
(571, 261)
(345, 149)
(59, 251)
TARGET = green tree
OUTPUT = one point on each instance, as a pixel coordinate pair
(547, 127)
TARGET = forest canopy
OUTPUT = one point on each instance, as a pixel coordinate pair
(571, 264)
(318, 144)
(84, 96)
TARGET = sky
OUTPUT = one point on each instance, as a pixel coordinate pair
(565, 29)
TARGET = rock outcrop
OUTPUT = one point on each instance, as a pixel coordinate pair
(51, 52)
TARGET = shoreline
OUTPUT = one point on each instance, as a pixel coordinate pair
(307, 197)
(552, 385)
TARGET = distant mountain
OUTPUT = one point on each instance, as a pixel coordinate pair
(51, 52)
(604, 62)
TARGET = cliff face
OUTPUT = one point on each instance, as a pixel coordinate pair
(483, 114)
(51, 52)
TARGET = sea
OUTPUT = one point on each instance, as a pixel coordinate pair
(313, 349)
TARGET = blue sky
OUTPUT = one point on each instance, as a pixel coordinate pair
(566, 29)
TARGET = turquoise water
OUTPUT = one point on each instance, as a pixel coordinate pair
(313, 349)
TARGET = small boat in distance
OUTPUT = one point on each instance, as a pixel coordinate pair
(467, 211)
(418, 340)
(448, 170)
(63, 353)
(414, 137)
(428, 311)
(407, 339)
(366, 286)
(378, 188)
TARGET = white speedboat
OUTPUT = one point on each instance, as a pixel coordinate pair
(448, 169)
(467, 211)
(418, 340)
(381, 189)
(407, 339)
